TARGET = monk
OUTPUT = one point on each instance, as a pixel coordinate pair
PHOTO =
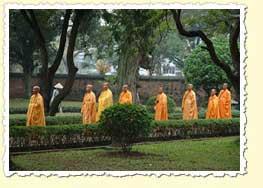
(189, 105)
(125, 96)
(105, 99)
(88, 109)
(225, 102)
(161, 110)
(213, 107)
(35, 112)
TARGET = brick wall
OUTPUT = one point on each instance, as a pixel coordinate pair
(148, 86)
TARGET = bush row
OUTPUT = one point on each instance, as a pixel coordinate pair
(76, 119)
(50, 120)
(57, 136)
(23, 110)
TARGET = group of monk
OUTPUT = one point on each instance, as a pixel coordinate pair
(218, 106)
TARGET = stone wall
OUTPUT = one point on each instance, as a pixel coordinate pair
(173, 86)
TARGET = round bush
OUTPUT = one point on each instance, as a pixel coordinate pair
(125, 123)
(151, 102)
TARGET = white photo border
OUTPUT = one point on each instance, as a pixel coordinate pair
(243, 93)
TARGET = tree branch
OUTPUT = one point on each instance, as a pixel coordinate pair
(62, 42)
(234, 49)
(209, 45)
(32, 21)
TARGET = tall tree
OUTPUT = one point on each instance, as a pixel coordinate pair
(201, 71)
(72, 70)
(21, 48)
(233, 24)
(135, 34)
(47, 73)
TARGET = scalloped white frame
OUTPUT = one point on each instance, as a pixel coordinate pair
(243, 93)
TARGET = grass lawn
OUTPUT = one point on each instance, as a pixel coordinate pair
(204, 154)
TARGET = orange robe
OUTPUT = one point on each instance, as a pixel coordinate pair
(125, 97)
(161, 110)
(225, 104)
(212, 108)
(105, 101)
(35, 112)
(189, 106)
(88, 109)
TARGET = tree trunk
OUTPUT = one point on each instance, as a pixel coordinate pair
(72, 70)
(47, 74)
(27, 84)
(128, 71)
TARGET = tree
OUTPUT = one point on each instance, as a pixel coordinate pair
(201, 71)
(230, 21)
(47, 73)
(135, 34)
(21, 48)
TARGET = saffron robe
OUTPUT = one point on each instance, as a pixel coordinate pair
(125, 97)
(225, 104)
(35, 112)
(189, 106)
(88, 109)
(212, 108)
(105, 101)
(161, 110)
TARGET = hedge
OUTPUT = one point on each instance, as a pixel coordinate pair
(50, 120)
(76, 119)
(35, 138)
(23, 110)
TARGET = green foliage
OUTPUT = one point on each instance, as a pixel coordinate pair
(196, 123)
(201, 71)
(20, 119)
(50, 120)
(23, 110)
(125, 123)
(71, 129)
(24, 138)
(151, 102)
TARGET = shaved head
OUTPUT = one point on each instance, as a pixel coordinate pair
(105, 85)
(160, 90)
(89, 87)
(36, 90)
(190, 86)
(225, 85)
(213, 92)
(125, 87)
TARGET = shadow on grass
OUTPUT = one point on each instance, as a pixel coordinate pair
(132, 154)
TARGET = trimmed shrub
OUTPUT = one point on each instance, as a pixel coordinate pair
(125, 123)
(50, 120)
(23, 110)
(35, 138)
(151, 102)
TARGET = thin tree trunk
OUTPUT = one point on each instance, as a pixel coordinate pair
(128, 71)
(47, 74)
(27, 84)
(72, 70)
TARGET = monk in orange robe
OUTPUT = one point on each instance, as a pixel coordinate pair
(105, 100)
(225, 102)
(88, 109)
(125, 96)
(189, 105)
(213, 107)
(161, 110)
(35, 112)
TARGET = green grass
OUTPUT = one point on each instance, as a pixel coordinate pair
(191, 155)
(23, 103)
